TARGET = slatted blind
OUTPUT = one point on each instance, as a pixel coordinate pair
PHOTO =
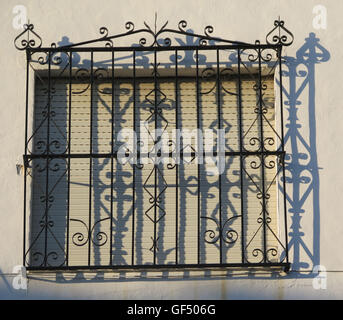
(85, 191)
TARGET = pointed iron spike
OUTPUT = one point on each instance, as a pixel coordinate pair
(155, 22)
(147, 26)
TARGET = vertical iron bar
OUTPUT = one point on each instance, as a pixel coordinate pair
(241, 148)
(283, 150)
(155, 165)
(135, 160)
(198, 127)
(90, 163)
(28, 56)
(219, 159)
(69, 151)
(176, 163)
(262, 155)
(112, 133)
(24, 222)
(47, 162)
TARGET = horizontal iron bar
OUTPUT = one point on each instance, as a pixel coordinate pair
(146, 155)
(171, 48)
(285, 266)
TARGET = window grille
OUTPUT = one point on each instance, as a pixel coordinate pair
(97, 196)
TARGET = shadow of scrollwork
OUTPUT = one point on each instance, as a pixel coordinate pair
(302, 170)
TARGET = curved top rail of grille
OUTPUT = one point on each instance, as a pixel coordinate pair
(159, 38)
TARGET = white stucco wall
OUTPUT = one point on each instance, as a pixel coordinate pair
(321, 222)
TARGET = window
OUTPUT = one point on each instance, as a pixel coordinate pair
(155, 157)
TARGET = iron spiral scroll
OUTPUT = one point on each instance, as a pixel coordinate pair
(279, 35)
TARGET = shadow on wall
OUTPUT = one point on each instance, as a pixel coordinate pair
(302, 177)
(143, 58)
(302, 171)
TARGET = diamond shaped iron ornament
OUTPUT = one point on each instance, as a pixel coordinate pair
(154, 97)
(155, 177)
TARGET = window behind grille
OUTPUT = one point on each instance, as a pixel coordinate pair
(187, 214)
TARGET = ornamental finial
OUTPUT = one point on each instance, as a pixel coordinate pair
(280, 34)
(22, 43)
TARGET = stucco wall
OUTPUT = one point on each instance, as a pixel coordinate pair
(315, 224)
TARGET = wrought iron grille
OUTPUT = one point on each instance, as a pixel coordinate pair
(93, 201)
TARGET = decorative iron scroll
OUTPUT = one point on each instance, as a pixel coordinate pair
(260, 150)
(22, 43)
(279, 35)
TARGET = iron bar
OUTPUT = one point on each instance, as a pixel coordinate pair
(177, 146)
(145, 267)
(133, 165)
(25, 152)
(170, 154)
(69, 151)
(90, 160)
(152, 49)
(241, 142)
(198, 148)
(219, 160)
(47, 164)
(155, 165)
(112, 145)
(260, 105)
(283, 153)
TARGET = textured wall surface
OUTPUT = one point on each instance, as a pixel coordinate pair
(313, 130)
